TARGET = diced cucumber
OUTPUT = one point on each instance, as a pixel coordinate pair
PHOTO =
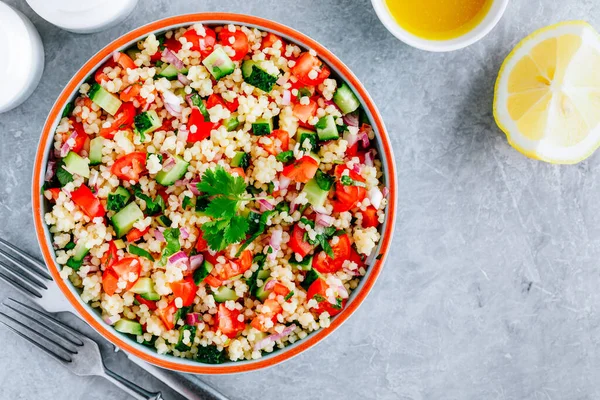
(231, 123)
(304, 265)
(311, 276)
(255, 75)
(96, 145)
(167, 178)
(152, 296)
(224, 294)
(78, 255)
(345, 99)
(76, 164)
(314, 194)
(263, 274)
(143, 285)
(261, 292)
(262, 126)
(218, 63)
(304, 134)
(181, 346)
(147, 122)
(170, 72)
(327, 128)
(128, 326)
(123, 221)
(240, 159)
(133, 52)
(119, 244)
(104, 99)
(164, 221)
(202, 272)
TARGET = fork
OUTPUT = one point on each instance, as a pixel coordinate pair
(31, 279)
(75, 351)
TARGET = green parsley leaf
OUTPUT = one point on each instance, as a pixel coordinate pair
(288, 296)
(236, 230)
(138, 251)
(347, 181)
(68, 109)
(324, 181)
(69, 246)
(173, 246)
(153, 206)
(63, 175)
(222, 207)
(285, 156)
(338, 304)
(187, 201)
(75, 265)
(318, 298)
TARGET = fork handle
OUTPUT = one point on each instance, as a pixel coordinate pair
(127, 386)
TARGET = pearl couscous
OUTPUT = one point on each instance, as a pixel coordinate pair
(214, 193)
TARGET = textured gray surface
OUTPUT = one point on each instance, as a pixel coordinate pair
(491, 288)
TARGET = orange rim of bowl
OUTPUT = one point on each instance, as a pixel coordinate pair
(169, 23)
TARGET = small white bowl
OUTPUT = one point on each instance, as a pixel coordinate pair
(484, 27)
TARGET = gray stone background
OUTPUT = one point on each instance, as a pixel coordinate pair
(491, 290)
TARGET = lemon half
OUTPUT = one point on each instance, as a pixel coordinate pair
(547, 96)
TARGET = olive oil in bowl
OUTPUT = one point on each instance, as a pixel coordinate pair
(438, 19)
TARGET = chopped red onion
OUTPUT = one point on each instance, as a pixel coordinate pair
(324, 220)
(66, 147)
(172, 58)
(181, 182)
(93, 178)
(188, 98)
(275, 243)
(351, 119)
(274, 337)
(111, 319)
(146, 107)
(169, 163)
(172, 110)
(183, 79)
(369, 158)
(158, 235)
(184, 233)
(284, 182)
(87, 258)
(180, 257)
(281, 80)
(50, 170)
(342, 291)
(298, 185)
(193, 187)
(192, 318)
(357, 168)
(364, 137)
(385, 191)
(270, 285)
(182, 133)
(350, 138)
(293, 206)
(375, 196)
(265, 205)
(196, 261)
(286, 98)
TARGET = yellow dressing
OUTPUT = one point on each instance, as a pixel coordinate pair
(438, 19)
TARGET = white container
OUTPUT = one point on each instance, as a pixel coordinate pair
(83, 16)
(489, 22)
(22, 58)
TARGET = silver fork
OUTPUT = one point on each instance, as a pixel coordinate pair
(71, 348)
(32, 279)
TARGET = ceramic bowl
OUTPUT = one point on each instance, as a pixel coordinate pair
(40, 206)
(489, 22)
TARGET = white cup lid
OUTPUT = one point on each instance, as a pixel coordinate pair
(20, 66)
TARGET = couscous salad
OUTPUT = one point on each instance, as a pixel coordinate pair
(214, 192)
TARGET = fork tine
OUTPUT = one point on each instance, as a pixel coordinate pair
(72, 331)
(48, 351)
(41, 268)
(24, 275)
(66, 350)
(20, 286)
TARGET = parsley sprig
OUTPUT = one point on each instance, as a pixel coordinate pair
(226, 192)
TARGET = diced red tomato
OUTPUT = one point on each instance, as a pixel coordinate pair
(151, 304)
(130, 93)
(204, 44)
(370, 218)
(339, 171)
(135, 234)
(305, 112)
(81, 137)
(240, 42)
(167, 124)
(203, 128)
(186, 289)
(236, 267)
(123, 120)
(88, 202)
(307, 63)
(319, 288)
(216, 99)
(227, 322)
(297, 242)
(171, 43)
(213, 281)
(130, 167)
(162, 192)
(274, 309)
(346, 197)
(54, 192)
(240, 171)
(124, 267)
(109, 258)
(270, 40)
(109, 282)
(341, 252)
(124, 60)
(302, 170)
(275, 147)
(167, 315)
(356, 258)
(100, 76)
(281, 289)
(201, 244)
